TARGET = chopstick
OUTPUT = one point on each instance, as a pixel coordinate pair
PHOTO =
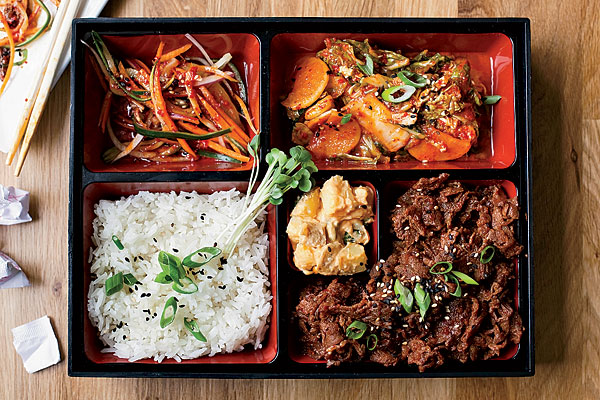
(34, 90)
(63, 32)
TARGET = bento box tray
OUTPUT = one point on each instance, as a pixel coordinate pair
(508, 163)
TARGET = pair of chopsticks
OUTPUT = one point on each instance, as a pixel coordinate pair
(59, 33)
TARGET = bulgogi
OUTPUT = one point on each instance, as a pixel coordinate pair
(437, 297)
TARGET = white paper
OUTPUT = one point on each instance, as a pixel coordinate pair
(36, 344)
(23, 78)
(14, 206)
(11, 275)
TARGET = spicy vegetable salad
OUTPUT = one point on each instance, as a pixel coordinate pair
(179, 108)
(357, 102)
(21, 22)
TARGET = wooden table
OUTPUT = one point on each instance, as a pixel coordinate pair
(566, 125)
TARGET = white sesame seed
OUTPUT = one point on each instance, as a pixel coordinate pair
(446, 249)
(456, 326)
(404, 343)
(398, 205)
(407, 228)
(436, 208)
(412, 278)
(446, 318)
(418, 190)
(420, 319)
(434, 305)
(418, 279)
(454, 250)
(417, 254)
(469, 263)
(382, 261)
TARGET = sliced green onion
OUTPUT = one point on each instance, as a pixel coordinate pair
(171, 265)
(185, 286)
(193, 327)
(163, 278)
(465, 278)
(345, 119)
(217, 156)
(372, 341)
(348, 238)
(117, 242)
(406, 297)
(366, 69)
(207, 254)
(487, 254)
(171, 305)
(458, 291)
(113, 284)
(356, 330)
(412, 79)
(101, 47)
(423, 299)
(445, 271)
(490, 100)
(408, 91)
(130, 280)
(178, 135)
(24, 54)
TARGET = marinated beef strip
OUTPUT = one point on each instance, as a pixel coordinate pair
(435, 220)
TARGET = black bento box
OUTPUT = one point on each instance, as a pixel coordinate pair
(263, 44)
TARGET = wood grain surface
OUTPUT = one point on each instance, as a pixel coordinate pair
(566, 148)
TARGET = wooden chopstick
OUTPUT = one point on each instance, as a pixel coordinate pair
(33, 93)
(40, 101)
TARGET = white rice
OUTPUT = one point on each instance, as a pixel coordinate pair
(229, 318)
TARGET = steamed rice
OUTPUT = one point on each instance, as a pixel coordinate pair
(231, 309)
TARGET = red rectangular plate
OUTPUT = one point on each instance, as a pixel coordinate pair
(491, 58)
(113, 191)
(245, 50)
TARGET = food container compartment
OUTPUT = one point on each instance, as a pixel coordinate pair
(245, 49)
(112, 191)
(491, 58)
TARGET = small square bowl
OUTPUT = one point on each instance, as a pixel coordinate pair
(491, 58)
(245, 50)
(92, 346)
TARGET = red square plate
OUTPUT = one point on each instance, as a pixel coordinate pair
(107, 191)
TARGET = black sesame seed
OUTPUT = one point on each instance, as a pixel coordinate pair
(136, 288)
(114, 330)
(124, 337)
(181, 305)
(187, 197)
(127, 259)
(202, 272)
(220, 268)
(202, 217)
(329, 249)
(209, 277)
(176, 250)
(141, 258)
(215, 244)
(134, 259)
(155, 241)
(363, 206)
(239, 279)
(155, 314)
(147, 318)
(130, 291)
(172, 224)
(223, 260)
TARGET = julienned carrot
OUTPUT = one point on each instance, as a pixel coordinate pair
(141, 64)
(105, 113)
(11, 42)
(175, 53)
(223, 150)
(219, 121)
(228, 140)
(209, 97)
(160, 107)
(159, 51)
(246, 113)
(193, 128)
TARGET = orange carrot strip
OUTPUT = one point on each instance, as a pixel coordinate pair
(227, 152)
(160, 107)
(175, 53)
(159, 51)
(233, 146)
(104, 114)
(141, 64)
(246, 113)
(11, 61)
(193, 128)
(209, 97)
